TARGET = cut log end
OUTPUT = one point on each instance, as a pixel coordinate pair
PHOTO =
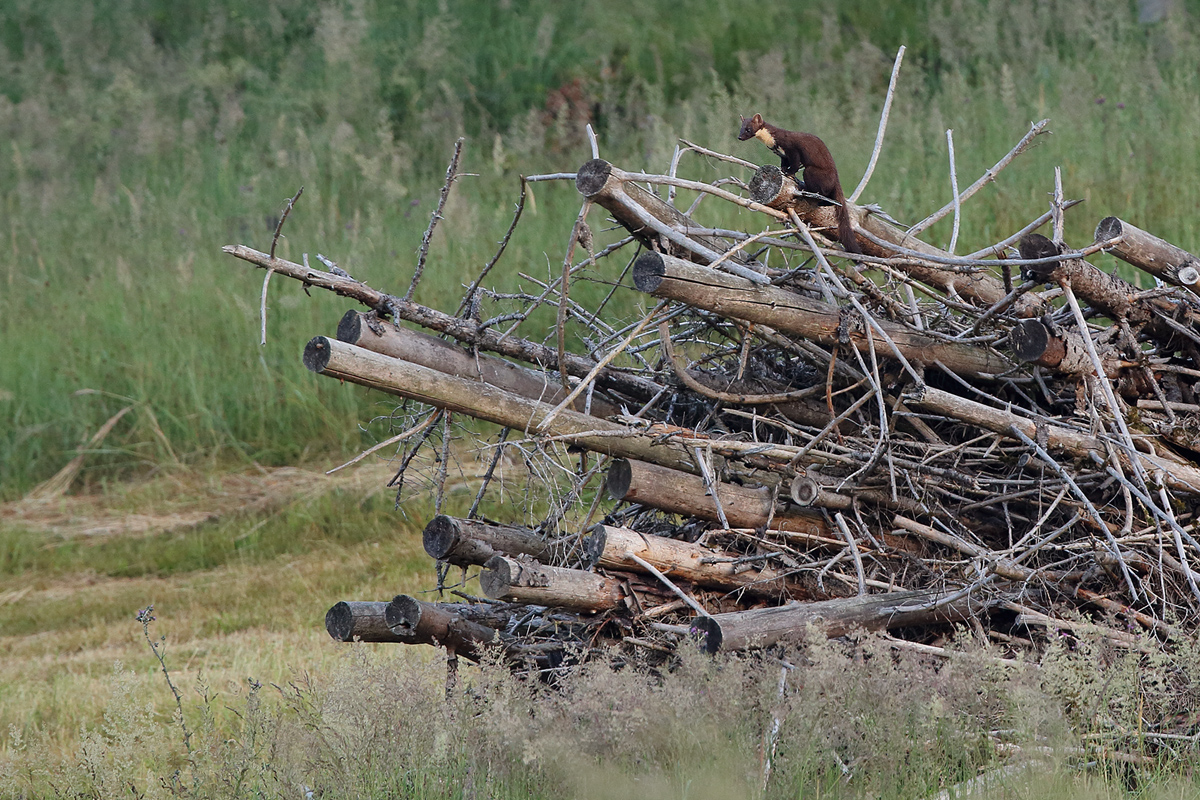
(1188, 274)
(619, 479)
(592, 545)
(403, 615)
(767, 184)
(1109, 228)
(592, 176)
(440, 536)
(648, 272)
(496, 578)
(1029, 339)
(339, 622)
(316, 354)
(805, 490)
(347, 621)
(350, 327)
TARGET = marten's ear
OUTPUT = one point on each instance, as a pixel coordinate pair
(758, 120)
(743, 119)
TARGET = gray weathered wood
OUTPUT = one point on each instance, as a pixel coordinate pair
(1150, 254)
(653, 221)
(1175, 471)
(463, 542)
(467, 331)
(346, 362)
(365, 331)
(530, 582)
(1061, 351)
(761, 627)
(680, 560)
(728, 295)
(771, 188)
(364, 621)
(680, 493)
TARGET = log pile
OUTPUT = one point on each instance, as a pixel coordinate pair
(791, 439)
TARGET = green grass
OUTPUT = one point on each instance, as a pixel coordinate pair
(139, 137)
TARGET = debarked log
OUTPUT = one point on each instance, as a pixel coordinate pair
(360, 620)
(761, 627)
(730, 296)
(347, 362)
(680, 493)
(537, 584)
(612, 548)
(464, 542)
(1150, 254)
(467, 331)
(369, 332)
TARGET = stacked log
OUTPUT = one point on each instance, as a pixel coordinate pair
(797, 440)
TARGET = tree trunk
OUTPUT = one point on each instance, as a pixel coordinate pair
(762, 627)
(530, 582)
(350, 620)
(463, 542)
(367, 331)
(680, 493)
(467, 331)
(1150, 254)
(730, 296)
(458, 628)
(347, 362)
(678, 559)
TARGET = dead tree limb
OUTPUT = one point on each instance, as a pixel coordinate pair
(654, 220)
(728, 295)
(464, 542)
(1150, 254)
(482, 401)
(612, 548)
(761, 627)
(681, 493)
(531, 582)
(367, 331)
(469, 332)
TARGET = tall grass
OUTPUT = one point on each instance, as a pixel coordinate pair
(139, 138)
(848, 720)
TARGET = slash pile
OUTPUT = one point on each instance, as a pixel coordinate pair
(795, 440)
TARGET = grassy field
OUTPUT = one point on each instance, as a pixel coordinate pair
(139, 137)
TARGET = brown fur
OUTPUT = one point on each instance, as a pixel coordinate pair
(804, 151)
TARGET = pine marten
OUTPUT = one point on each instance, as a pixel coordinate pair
(805, 151)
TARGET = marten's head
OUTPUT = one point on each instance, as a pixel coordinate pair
(750, 127)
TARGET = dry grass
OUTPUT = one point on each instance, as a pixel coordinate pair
(180, 499)
(245, 617)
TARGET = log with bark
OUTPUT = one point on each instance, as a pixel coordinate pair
(527, 581)
(761, 627)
